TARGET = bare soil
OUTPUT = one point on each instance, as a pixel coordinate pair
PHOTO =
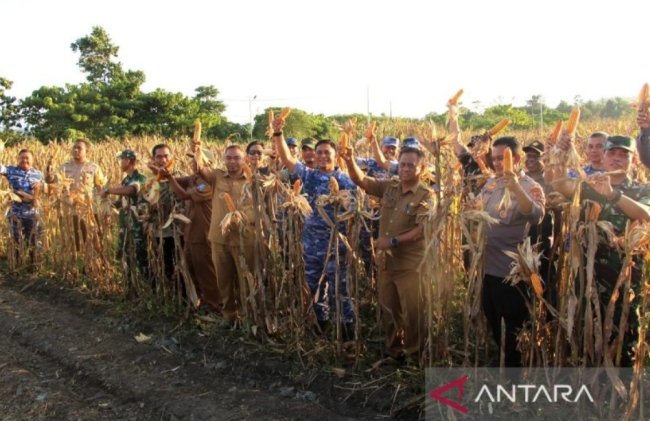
(67, 356)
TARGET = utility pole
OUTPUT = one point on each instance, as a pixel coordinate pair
(250, 116)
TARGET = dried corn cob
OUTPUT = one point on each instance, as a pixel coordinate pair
(454, 99)
(507, 160)
(334, 186)
(555, 134)
(536, 281)
(594, 212)
(643, 102)
(343, 142)
(197, 131)
(271, 117)
(498, 127)
(572, 122)
(229, 202)
(297, 186)
(248, 173)
(481, 164)
(285, 113)
(370, 130)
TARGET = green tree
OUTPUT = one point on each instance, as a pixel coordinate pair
(9, 107)
(96, 54)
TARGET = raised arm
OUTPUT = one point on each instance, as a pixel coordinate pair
(287, 159)
(357, 176)
(643, 141)
(378, 154)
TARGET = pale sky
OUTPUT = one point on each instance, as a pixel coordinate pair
(325, 56)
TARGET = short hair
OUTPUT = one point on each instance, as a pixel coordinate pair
(409, 149)
(25, 150)
(253, 143)
(325, 142)
(159, 146)
(83, 140)
(599, 134)
(510, 142)
(233, 146)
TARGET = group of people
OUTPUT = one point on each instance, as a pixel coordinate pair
(220, 257)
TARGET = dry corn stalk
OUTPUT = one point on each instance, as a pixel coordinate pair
(643, 101)
(525, 268)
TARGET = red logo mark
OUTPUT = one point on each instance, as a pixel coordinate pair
(455, 404)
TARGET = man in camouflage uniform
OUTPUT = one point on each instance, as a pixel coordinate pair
(131, 241)
(86, 179)
(622, 199)
(316, 232)
(526, 207)
(403, 202)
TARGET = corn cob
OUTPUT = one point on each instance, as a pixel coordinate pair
(343, 142)
(507, 160)
(229, 202)
(498, 127)
(555, 134)
(285, 113)
(454, 99)
(248, 173)
(297, 186)
(370, 130)
(197, 131)
(572, 122)
(536, 281)
(481, 164)
(334, 186)
(271, 117)
(644, 99)
(594, 212)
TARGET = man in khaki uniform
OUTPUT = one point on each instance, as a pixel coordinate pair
(86, 179)
(403, 201)
(239, 240)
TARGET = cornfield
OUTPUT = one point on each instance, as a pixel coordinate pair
(278, 304)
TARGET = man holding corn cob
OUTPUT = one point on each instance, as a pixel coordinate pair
(321, 265)
(403, 201)
(516, 201)
(234, 240)
(643, 141)
(620, 199)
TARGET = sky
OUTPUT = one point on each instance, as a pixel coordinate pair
(400, 57)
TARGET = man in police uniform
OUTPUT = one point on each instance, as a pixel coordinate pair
(316, 232)
(403, 203)
(526, 207)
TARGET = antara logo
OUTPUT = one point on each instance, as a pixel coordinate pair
(527, 393)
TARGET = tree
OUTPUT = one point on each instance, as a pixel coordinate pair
(9, 109)
(96, 54)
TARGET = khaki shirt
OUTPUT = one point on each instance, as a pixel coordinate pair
(85, 177)
(511, 229)
(222, 183)
(401, 211)
(200, 208)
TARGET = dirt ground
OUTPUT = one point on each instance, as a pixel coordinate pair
(66, 356)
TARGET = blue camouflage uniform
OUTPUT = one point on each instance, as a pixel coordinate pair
(372, 168)
(23, 216)
(315, 242)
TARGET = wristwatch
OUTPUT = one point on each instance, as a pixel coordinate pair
(394, 242)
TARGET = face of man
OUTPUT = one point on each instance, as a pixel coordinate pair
(25, 160)
(595, 150)
(79, 151)
(126, 164)
(534, 163)
(325, 157)
(254, 156)
(618, 159)
(409, 167)
(162, 157)
(308, 157)
(497, 159)
(389, 152)
(234, 158)
(294, 150)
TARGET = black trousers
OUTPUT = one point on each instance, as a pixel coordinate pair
(503, 301)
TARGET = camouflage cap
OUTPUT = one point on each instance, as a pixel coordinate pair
(128, 154)
(621, 142)
(308, 142)
(535, 146)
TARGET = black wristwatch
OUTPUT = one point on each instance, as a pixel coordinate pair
(394, 242)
